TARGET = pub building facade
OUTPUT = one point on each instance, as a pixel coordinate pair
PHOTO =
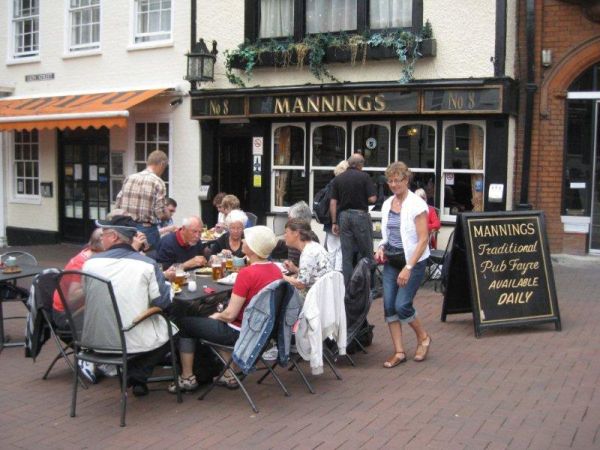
(558, 146)
(277, 141)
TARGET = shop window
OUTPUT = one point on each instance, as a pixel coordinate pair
(25, 28)
(152, 20)
(26, 165)
(84, 23)
(328, 148)
(150, 136)
(276, 18)
(117, 174)
(288, 177)
(463, 170)
(416, 148)
(578, 157)
(298, 18)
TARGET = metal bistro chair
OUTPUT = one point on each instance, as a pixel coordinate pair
(436, 261)
(239, 378)
(98, 332)
(10, 292)
(252, 219)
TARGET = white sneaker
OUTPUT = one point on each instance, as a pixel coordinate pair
(271, 354)
(87, 370)
(108, 370)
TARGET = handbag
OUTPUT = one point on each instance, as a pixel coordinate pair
(395, 257)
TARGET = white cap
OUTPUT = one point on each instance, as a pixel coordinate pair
(261, 240)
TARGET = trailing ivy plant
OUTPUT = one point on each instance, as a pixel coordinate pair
(312, 49)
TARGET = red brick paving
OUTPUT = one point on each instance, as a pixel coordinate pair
(512, 388)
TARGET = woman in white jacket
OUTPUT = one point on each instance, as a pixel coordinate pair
(404, 248)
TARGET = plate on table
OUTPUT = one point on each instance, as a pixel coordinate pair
(204, 271)
(13, 269)
(176, 288)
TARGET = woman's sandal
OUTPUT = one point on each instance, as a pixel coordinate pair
(227, 380)
(394, 360)
(422, 349)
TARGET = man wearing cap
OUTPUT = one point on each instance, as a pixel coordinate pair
(224, 327)
(144, 197)
(138, 284)
(183, 246)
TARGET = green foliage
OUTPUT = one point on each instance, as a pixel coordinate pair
(427, 31)
(404, 43)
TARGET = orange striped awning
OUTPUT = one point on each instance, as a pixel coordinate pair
(107, 109)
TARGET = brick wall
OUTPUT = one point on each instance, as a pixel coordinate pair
(563, 28)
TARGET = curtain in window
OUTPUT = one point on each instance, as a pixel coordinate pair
(390, 13)
(323, 16)
(283, 152)
(476, 163)
(276, 18)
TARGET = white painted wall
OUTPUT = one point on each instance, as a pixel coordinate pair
(464, 30)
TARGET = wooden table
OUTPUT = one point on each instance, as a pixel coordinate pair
(27, 270)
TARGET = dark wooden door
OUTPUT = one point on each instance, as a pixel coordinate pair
(84, 180)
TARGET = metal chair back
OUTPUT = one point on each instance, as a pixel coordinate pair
(21, 257)
(252, 219)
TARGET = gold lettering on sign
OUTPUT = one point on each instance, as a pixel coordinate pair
(298, 106)
(327, 103)
(349, 103)
(225, 107)
(455, 101)
(282, 105)
(312, 105)
(379, 102)
(215, 108)
(471, 100)
(364, 103)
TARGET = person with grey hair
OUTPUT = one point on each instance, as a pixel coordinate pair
(184, 246)
(300, 211)
(138, 284)
(230, 243)
(352, 193)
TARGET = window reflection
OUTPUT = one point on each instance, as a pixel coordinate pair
(289, 187)
(288, 146)
(328, 145)
(373, 141)
(464, 147)
(416, 146)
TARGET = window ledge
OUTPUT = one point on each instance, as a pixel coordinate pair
(576, 224)
(82, 54)
(26, 200)
(28, 60)
(150, 45)
(427, 48)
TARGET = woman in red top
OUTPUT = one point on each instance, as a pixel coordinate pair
(433, 221)
(224, 327)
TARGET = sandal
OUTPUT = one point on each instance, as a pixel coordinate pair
(227, 380)
(394, 360)
(422, 349)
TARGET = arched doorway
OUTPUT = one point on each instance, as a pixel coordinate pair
(581, 191)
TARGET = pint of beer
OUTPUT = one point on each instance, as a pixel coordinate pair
(217, 271)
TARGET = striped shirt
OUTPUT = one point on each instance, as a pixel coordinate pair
(393, 229)
(144, 197)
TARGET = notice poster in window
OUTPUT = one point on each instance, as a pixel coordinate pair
(79, 211)
(69, 210)
(94, 213)
(78, 171)
(20, 187)
(101, 213)
(449, 179)
(93, 173)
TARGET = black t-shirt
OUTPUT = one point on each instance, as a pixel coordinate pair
(352, 190)
(222, 243)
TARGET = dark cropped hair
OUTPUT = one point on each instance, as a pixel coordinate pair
(302, 227)
(171, 202)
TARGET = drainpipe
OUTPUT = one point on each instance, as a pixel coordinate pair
(530, 90)
(193, 25)
(3, 159)
(500, 50)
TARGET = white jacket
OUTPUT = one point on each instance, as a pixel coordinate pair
(412, 206)
(323, 316)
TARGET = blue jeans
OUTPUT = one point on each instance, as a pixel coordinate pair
(152, 234)
(398, 301)
(193, 328)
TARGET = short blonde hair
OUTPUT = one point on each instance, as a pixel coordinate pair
(340, 168)
(398, 169)
(157, 157)
(230, 202)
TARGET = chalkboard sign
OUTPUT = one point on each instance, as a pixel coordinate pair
(509, 278)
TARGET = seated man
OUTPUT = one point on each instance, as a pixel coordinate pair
(168, 225)
(138, 284)
(183, 246)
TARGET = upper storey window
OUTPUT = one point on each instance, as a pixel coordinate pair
(84, 21)
(153, 20)
(26, 28)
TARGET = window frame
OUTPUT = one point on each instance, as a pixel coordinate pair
(15, 196)
(276, 167)
(130, 161)
(133, 44)
(252, 20)
(92, 48)
(443, 171)
(13, 56)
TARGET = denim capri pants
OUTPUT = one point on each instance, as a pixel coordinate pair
(398, 301)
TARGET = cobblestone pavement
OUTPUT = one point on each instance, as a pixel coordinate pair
(512, 388)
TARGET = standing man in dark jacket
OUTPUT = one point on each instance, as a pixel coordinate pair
(351, 195)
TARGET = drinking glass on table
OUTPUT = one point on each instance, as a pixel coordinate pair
(217, 267)
(179, 274)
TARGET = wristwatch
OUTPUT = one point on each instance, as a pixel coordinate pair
(408, 266)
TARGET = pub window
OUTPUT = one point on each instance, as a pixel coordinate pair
(276, 18)
(416, 148)
(84, 18)
(117, 174)
(26, 162)
(150, 136)
(579, 151)
(268, 19)
(328, 148)
(463, 169)
(152, 20)
(287, 177)
(25, 28)
(373, 141)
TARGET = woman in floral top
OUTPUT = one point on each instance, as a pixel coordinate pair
(314, 259)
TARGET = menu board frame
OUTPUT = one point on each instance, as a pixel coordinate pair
(509, 270)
